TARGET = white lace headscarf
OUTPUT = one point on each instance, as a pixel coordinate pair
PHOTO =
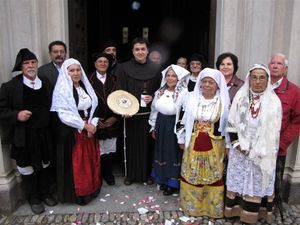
(194, 98)
(266, 143)
(182, 77)
(63, 100)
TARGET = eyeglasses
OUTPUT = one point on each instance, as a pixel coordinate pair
(254, 78)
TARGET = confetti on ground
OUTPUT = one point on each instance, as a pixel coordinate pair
(168, 222)
(51, 211)
(102, 200)
(184, 218)
(107, 195)
(142, 210)
(126, 196)
(122, 203)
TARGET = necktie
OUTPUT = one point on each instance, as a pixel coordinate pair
(32, 83)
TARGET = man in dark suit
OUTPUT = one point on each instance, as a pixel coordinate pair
(57, 53)
(25, 116)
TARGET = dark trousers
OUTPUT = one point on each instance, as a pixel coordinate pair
(36, 185)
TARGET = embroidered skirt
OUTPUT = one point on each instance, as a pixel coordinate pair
(202, 186)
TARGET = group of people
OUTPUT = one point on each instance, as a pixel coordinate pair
(218, 140)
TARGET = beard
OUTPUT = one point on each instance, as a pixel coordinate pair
(31, 73)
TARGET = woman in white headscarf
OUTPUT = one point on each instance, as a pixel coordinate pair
(78, 156)
(167, 155)
(254, 126)
(202, 138)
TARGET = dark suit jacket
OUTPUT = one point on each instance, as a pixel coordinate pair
(49, 72)
(11, 102)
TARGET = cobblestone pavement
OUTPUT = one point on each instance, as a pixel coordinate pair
(121, 204)
(291, 216)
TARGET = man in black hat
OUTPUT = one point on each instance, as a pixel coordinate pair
(110, 47)
(24, 113)
(109, 123)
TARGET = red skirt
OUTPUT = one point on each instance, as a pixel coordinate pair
(86, 165)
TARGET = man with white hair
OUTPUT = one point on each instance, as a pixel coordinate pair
(25, 118)
(289, 95)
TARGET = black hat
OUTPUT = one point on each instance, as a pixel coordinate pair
(109, 43)
(23, 55)
(102, 54)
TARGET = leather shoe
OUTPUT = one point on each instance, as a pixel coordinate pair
(127, 181)
(49, 200)
(168, 191)
(150, 181)
(36, 206)
(162, 187)
(110, 181)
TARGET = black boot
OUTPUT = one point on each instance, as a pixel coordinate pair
(106, 169)
(30, 185)
(44, 185)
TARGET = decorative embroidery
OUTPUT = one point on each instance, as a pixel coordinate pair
(255, 103)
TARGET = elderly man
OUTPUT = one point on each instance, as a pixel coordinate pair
(289, 95)
(57, 53)
(24, 112)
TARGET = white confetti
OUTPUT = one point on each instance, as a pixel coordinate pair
(126, 196)
(107, 212)
(102, 200)
(168, 222)
(122, 203)
(166, 202)
(157, 211)
(134, 205)
(78, 209)
(98, 223)
(184, 218)
(142, 210)
(51, 211)
(107, 195)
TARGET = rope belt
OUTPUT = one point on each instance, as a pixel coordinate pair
(141, 114)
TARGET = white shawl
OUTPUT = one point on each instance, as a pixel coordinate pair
(63, 101)
(266, 143)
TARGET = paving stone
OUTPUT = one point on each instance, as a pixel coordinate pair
(167, 215)
(84, 217)
(97, 217)
(91, 218)
(58, 219)
(72, 218)
(112, 216)
(27, 219)
(125, 217)
(104, 218)
(174, 214)
(40, 219)
(66, 218)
